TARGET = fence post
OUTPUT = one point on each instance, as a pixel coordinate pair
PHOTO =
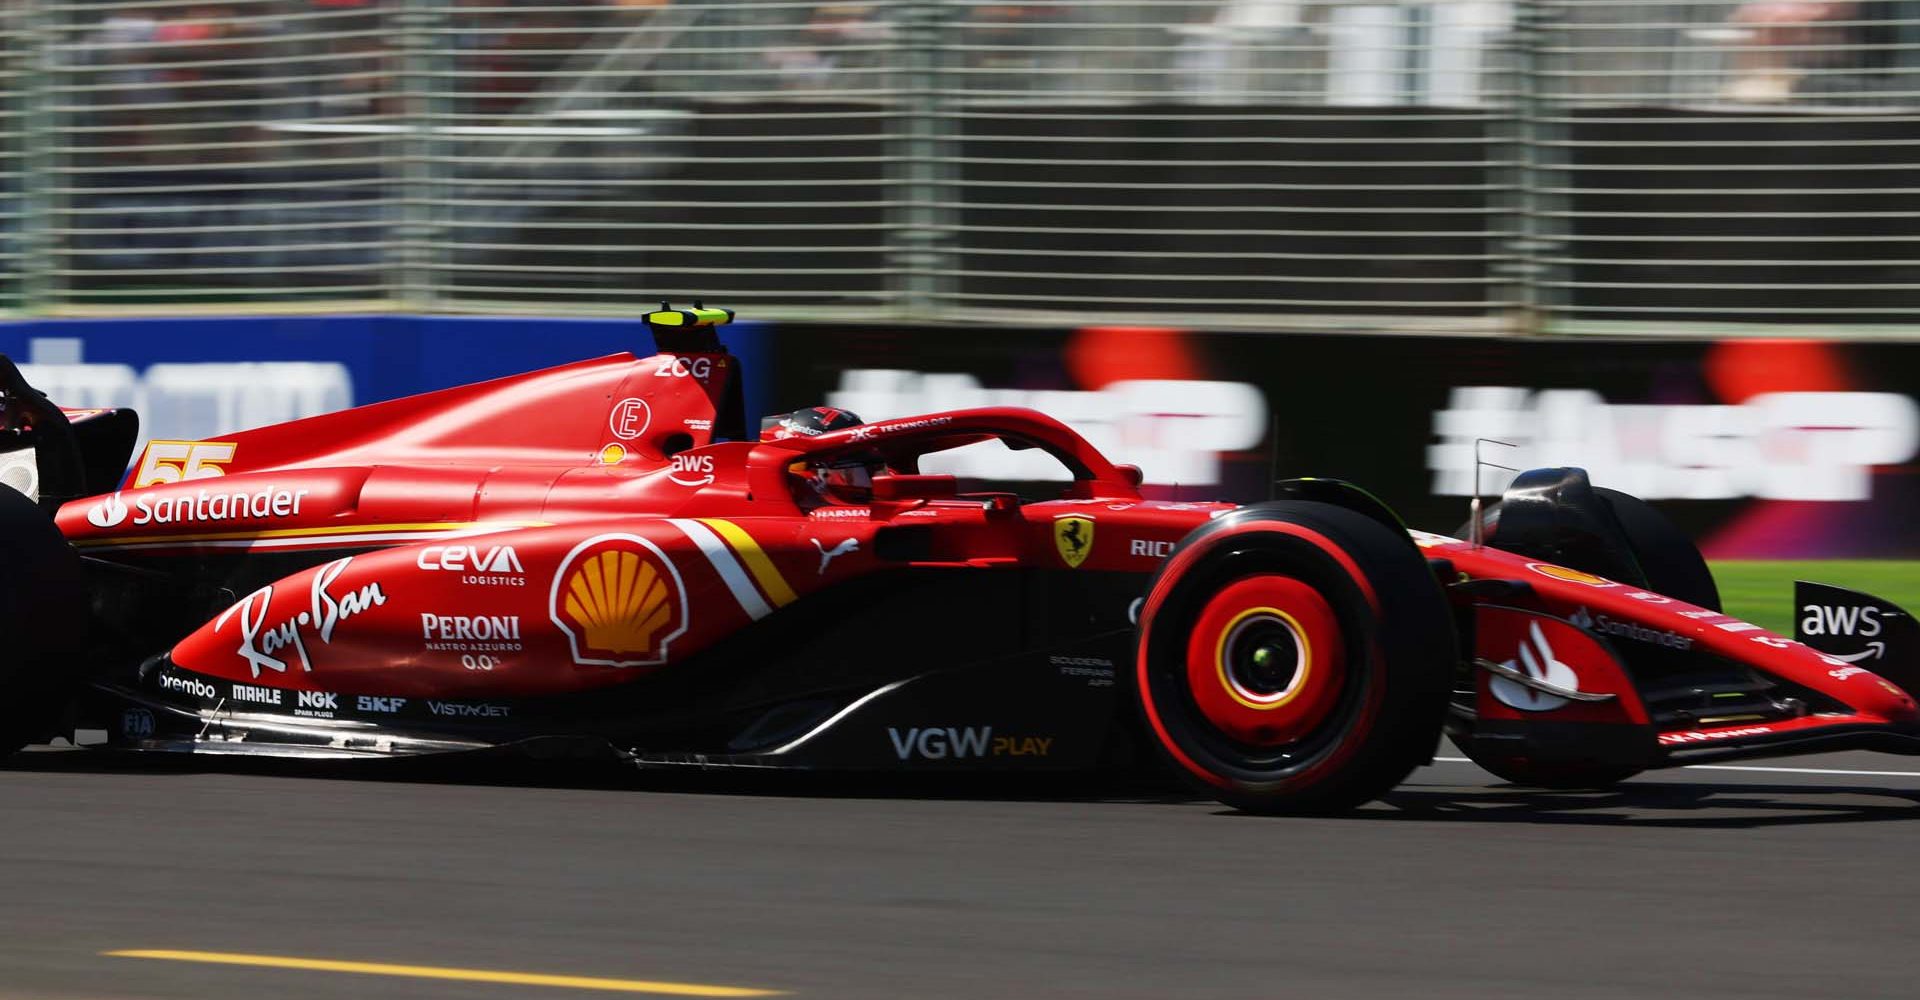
(1536, 224)
(918, 255)
(40, 281)
(413, 285)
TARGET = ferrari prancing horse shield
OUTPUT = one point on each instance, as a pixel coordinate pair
(1073, 536)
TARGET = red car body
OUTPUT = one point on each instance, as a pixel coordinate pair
(577, 554)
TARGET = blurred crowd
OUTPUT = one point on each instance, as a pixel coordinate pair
(194, 84)
(1820, 50)
(254, 134)
(224, 82)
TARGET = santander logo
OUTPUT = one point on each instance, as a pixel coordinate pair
(1537, 661)
(107, 513)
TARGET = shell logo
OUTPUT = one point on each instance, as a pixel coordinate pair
(619, 600)
(1570, 575)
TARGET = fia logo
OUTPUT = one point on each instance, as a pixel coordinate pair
(1536, 661)
(136, 724)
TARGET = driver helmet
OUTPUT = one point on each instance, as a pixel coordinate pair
(810, 422)
(851, 473)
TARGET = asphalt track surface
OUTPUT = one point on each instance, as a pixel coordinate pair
(1697, 883)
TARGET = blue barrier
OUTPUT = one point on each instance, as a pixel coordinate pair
(297, 365)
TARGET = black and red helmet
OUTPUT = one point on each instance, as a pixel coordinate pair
(810, 422)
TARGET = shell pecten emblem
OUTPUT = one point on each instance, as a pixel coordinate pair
(1570, 575)
(620, 601)
(1073, 536)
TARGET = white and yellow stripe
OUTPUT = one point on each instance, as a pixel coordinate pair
(727, 547)
(332, 536)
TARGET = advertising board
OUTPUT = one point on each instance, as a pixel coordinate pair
(1760, 448)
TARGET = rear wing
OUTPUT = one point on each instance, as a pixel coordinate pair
(55, 455)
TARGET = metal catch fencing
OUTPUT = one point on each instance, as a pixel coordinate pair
(176, 159)
(15, 67)
(1506, 165)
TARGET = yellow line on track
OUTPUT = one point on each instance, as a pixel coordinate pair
(461, 975)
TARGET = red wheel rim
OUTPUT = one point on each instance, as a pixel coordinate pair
(1264, 659)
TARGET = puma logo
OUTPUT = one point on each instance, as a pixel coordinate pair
(828, 555)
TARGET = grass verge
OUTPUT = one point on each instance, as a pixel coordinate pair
(1762, 591)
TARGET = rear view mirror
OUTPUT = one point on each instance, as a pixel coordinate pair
(915, 487)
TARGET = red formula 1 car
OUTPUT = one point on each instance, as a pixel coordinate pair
(598, 557)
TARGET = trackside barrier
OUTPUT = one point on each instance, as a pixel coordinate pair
(1758, 448)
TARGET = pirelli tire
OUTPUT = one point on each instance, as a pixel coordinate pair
(42, 614)
(1295, 657)
(1669, 558)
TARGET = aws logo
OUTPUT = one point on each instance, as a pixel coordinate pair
(620, 601)
(1820, 619)
(691, 470)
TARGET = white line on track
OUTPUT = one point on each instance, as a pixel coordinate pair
(1771, 770)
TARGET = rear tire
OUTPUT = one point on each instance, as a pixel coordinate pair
(1295, 657)
(42, 614)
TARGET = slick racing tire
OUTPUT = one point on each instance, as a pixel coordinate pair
(1672, 563)
(1295, 657)
(42, 613)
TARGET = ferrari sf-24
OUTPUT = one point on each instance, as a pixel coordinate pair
(600, 559)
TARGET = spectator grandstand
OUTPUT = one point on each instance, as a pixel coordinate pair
(1459, 164)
